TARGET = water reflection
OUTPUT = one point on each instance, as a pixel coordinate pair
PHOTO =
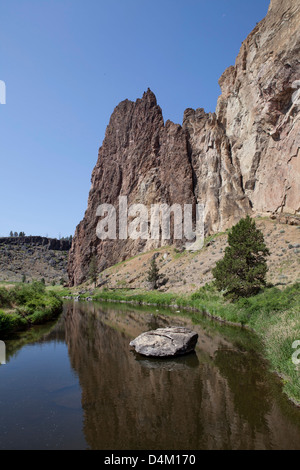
(76, 384)
(171, 364)
(221, 397)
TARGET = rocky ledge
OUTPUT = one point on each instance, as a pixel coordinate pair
(165, 342)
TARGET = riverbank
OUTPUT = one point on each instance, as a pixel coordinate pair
(24, 305)
(274, 315)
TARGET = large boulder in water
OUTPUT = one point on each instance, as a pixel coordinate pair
(165, 342)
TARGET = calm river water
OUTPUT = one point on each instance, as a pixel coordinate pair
(74, 384)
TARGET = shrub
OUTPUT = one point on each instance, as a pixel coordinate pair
(10, 322)
(32, 304)
(5, 298)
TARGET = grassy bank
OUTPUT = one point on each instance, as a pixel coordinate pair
(24, 305)
(273, 314)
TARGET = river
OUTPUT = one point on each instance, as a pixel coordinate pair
(75, 384)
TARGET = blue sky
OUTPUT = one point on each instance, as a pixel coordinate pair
(68, 63)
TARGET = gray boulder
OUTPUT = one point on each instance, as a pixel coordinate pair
(165, 342)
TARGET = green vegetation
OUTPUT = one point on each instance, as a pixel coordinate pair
(25, 305)
(153, 274)
(59, 290)
(242, 271)
(16, 234)
(93, 270)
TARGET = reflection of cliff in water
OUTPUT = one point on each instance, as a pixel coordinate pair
(223, 401)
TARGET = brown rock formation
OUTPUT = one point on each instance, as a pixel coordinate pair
(259, 107)
(140, 158)
(217, 177)
(243, 158)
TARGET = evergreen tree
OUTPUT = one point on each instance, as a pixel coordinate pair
(242, 271)
(153, 273)
(11, 234)
(93, 270)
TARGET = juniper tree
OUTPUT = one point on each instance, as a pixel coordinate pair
(242, 271)
(153, 273)
(93, 270)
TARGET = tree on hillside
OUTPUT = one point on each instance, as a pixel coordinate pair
(153, 274)
(93, 270)
(11, 233)
(242, 271)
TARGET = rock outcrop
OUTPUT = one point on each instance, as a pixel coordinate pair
(35, 258)
(33, 241)
(165, 342)
(242, 159)
(141, 158)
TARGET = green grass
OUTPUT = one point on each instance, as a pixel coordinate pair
(273, 314)
(27, 304)
(59, 291)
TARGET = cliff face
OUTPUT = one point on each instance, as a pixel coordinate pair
(45, 242)
(259, 108)
(244, 158)
(140, 158)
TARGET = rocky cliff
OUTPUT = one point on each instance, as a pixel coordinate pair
(36, 241)
(259, 109)
(33, 257)
(244, 158)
